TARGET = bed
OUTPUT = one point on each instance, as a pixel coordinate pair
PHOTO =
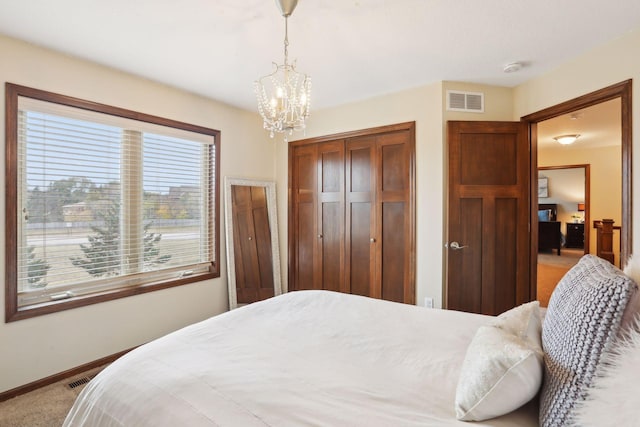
(302, 358)
(549, 234)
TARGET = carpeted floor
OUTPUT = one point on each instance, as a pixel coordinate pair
(551, 268)
(46, 406)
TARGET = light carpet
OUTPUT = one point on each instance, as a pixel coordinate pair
(551, 268)
(45, 407)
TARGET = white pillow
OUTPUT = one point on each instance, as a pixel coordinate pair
(613, 399)
(503, 367)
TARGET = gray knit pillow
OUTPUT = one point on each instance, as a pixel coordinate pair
(582, 321)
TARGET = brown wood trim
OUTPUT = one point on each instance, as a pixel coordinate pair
(81, 301)
(622, 90)
(57, 98)
(410, 126)
(587, 195)
(12, 311)
(23, 389)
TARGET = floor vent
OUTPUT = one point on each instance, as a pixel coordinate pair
(471, 102)
(80, 381)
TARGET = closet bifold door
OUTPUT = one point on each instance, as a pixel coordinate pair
(318, 217)
(303, 224)
(329, 252)
(395, 217)
(361, 230)
(352, 213)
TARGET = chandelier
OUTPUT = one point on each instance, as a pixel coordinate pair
(284, 96)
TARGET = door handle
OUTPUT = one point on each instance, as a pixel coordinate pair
(455, 246)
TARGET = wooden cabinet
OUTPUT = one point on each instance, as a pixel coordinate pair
(575, 235)
(352, 213)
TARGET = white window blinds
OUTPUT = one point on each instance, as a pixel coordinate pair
(106, 202)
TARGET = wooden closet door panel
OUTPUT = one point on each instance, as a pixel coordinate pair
(330, 233)
(304, 227)
(394, 214)
(360, 215)
(364, 195)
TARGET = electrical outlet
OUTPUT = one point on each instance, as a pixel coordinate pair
(428, 302)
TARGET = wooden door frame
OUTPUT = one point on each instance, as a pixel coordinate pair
(587, 197)
(622, 90)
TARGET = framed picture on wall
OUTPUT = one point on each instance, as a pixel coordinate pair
(543, 187)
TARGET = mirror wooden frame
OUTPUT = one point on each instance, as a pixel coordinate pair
(270, 190)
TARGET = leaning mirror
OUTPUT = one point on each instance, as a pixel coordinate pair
(253, 256)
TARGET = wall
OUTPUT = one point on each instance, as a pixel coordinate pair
(566, 189)
(601, 67)
(34, 348)
(39, 347)
(425, 106)
(606, 194)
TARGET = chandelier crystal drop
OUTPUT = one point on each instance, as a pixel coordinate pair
(284, 96)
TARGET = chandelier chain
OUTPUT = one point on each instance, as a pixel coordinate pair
(286, 40)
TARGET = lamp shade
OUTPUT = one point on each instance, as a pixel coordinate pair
(581, 207)
(566, 139)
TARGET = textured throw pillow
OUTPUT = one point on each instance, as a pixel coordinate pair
(583, 318)
(502, 369)
(613, 400)
(632, 269)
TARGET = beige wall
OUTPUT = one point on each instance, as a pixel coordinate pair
(35, 348)
(606, 194)
(425, 106)
(599, 68)
(38, 347)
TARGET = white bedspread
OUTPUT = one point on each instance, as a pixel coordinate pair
(302, 358)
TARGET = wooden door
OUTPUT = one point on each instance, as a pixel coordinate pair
(395, 217)
(361, 229)
(488, 216)
(318, 217)
(252, 244)
(303, 225)
(380, 216)
(352, 213)
(329, 258)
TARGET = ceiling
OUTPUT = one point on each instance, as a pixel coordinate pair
(598, 126)
(353, 49)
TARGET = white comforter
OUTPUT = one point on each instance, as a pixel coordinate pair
(303, 358)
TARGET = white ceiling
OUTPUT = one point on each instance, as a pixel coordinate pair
(598, 126)
(353, 49)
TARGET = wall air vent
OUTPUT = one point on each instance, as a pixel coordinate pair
(470, 102)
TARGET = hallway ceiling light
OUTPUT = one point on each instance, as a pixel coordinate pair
(566, 139)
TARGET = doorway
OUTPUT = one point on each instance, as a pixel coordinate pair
(567, 194)
(621, 92)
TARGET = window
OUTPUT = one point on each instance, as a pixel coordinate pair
(103, 203)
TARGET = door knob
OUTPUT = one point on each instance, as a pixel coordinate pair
(455, 246)
(319, 236)
(250, 238)
(372, 240)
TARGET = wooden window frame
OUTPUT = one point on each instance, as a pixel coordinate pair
(12, 311)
